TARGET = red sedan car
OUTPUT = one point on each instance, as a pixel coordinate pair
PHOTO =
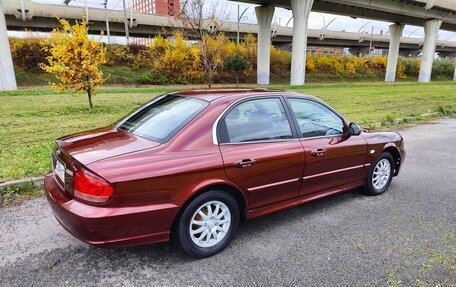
(191, 165)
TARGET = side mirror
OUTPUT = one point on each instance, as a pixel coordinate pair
(354, 129)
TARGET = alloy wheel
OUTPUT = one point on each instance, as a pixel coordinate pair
(210, 223)
(381, 174)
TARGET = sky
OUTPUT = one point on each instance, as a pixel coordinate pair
(282, 16)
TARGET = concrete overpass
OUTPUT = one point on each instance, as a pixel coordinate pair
(431, 14)
(42, 17)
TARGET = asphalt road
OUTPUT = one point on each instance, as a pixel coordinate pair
(406, 236)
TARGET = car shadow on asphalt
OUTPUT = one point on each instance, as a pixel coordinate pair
(248, 231)
(296, 214)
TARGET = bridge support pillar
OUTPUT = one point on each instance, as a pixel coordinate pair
(454, 77)
(431, 28)
(393, 51)
(301, 10)
(359, 51)
(264, 17)
(409, 53)
(7, 77)
(447, 54)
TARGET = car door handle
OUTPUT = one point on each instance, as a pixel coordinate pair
(318, 152)
(244, 163)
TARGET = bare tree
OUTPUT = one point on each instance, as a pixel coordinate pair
(203, 21)
(212, 52)
(200, 18)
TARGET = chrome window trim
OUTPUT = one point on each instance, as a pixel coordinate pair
(262, 141)
(278, 94)
(283, 140)
(321, 137)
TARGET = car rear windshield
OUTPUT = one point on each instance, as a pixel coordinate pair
(162, 118)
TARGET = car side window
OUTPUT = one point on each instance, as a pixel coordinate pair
(314, 119)
(255, 120)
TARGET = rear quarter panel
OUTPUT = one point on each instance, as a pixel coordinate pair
(172, 172)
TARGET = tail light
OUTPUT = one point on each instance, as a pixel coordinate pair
(91, 188)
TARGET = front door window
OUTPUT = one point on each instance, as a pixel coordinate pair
(316, 120)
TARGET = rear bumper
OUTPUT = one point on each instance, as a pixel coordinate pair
(110, 226)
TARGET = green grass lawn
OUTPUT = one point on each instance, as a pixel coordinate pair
(31, 119)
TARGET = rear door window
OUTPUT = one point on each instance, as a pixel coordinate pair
(256, 120)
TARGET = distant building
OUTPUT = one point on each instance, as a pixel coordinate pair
(332, 51)
(157, 7)
(378, 52)
(167, 7)
(144, 6)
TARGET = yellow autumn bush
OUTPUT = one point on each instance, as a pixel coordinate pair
(177, 60)
(233, 49)
(310, 64)
(351, 64)
(280, 61)
(411, 65)
(350, 68)
(329, 65)
(250, 47)
(29, 53)
(400, 72)
(374, 65)
(212, 53)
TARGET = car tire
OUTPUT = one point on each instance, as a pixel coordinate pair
(203, 237)
(380, 176)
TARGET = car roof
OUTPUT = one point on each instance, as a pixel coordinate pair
(235, 94)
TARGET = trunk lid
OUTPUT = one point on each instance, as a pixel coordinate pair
(98, 144)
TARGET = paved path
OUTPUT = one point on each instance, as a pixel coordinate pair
(407, 235)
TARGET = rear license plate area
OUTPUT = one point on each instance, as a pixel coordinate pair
(59, 170)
